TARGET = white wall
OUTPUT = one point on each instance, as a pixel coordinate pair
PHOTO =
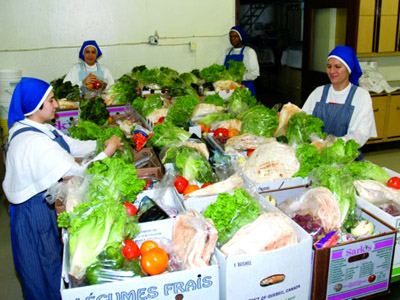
(42, 38)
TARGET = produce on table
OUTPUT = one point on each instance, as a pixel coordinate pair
(193, 165)
(157, 116)
(190, 189)
(112, 178)
(271, 230)
(137, 104)
(166, 134)
(65, 90)
(240, 101)
(193, 240)
(244, 142)
(301, 127)
(379, 194)
(124, 90)
(214, 73)
(236, 70)
(155, 78)
(394, 182)
(180, 184)
(189, 78)
(204, 109)
(338, 152)
(94, 110)
(151, 103)
(259, 120)
(231, 212)
(271, 161)
(93, 226)
(215, 99)
(181, 110)
(154, 261)
(130, 209)
(130, 250)
(287, 111)
(147, 246)
(363, 228)
(211, 118)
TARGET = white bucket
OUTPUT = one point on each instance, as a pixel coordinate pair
(9, 80)
(6, 75)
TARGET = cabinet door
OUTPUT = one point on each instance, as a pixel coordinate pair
(387, 34)
(379, 105)
(365, 34)
(393, 129)
(388, 25)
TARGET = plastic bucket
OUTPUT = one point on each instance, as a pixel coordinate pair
(9, 79)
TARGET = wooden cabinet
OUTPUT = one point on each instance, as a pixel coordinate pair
(393, 127)
(377, 26)
(387, 117)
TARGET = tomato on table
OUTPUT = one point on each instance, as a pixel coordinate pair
(147, 246)
(394, 182)
(206, 184)
(130, 208)
(190, 188)
(131, 249)
(155, 261)
(180, 184)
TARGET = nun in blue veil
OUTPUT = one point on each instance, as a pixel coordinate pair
(344, 106)
(38, 155)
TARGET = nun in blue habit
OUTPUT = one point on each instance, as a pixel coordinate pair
(344, 106)
(38, 156)
(240, 52)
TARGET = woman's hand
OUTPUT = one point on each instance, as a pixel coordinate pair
(113, 144)
(90, 79)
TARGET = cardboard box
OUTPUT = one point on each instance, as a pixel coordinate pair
(351, 270)
(201, 283)
(152, 169)
(64, 119)
(241, 275)
(389, 219)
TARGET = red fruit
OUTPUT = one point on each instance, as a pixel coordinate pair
(130, 209)
(131, 250)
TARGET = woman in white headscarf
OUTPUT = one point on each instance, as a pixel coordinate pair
(345, 108)
(38, 156)
(82, 72)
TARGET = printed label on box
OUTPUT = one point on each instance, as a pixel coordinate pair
(360, 269)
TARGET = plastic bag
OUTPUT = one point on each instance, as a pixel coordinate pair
(70, 192)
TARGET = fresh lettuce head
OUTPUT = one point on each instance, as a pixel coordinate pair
(214, 117)
(151, 103)
(181, 110)
(240, 101)
(214, 99)
(302, 126)
(166, 134)
(236, 70)
(113, 178)
(259, 120)
(214, 73)
(193, 165)
(231, 212)
(124, 90)
(85, 130)
(366, 170)
(340, 152)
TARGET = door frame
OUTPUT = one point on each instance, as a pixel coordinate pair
(312, 79)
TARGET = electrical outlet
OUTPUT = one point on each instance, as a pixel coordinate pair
(153, 40)
(193, 46)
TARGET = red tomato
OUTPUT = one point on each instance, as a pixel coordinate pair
(180, 184)
(97, 84)
(250, 152)
(206, 184)
(155, 261)
(130, 208)
(394, 182)
(147, 246)
(131, 250)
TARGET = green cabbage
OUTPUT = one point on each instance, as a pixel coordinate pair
(259, 120)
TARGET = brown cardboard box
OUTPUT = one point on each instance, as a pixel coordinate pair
(152, 169)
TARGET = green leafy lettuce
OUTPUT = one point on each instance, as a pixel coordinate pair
(166, 134)
(259, 120)
(181, 110)
(214, 99)
(214, 73)
(231, 212)
(236, 69)
(240, 101)
(302, 126)
(151, 104)
(94, 110)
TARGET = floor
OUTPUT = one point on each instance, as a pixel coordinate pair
(386, 155)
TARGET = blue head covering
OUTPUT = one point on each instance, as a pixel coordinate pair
(92, 44)
(242, 34)
(28, 96)
(348, 57)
